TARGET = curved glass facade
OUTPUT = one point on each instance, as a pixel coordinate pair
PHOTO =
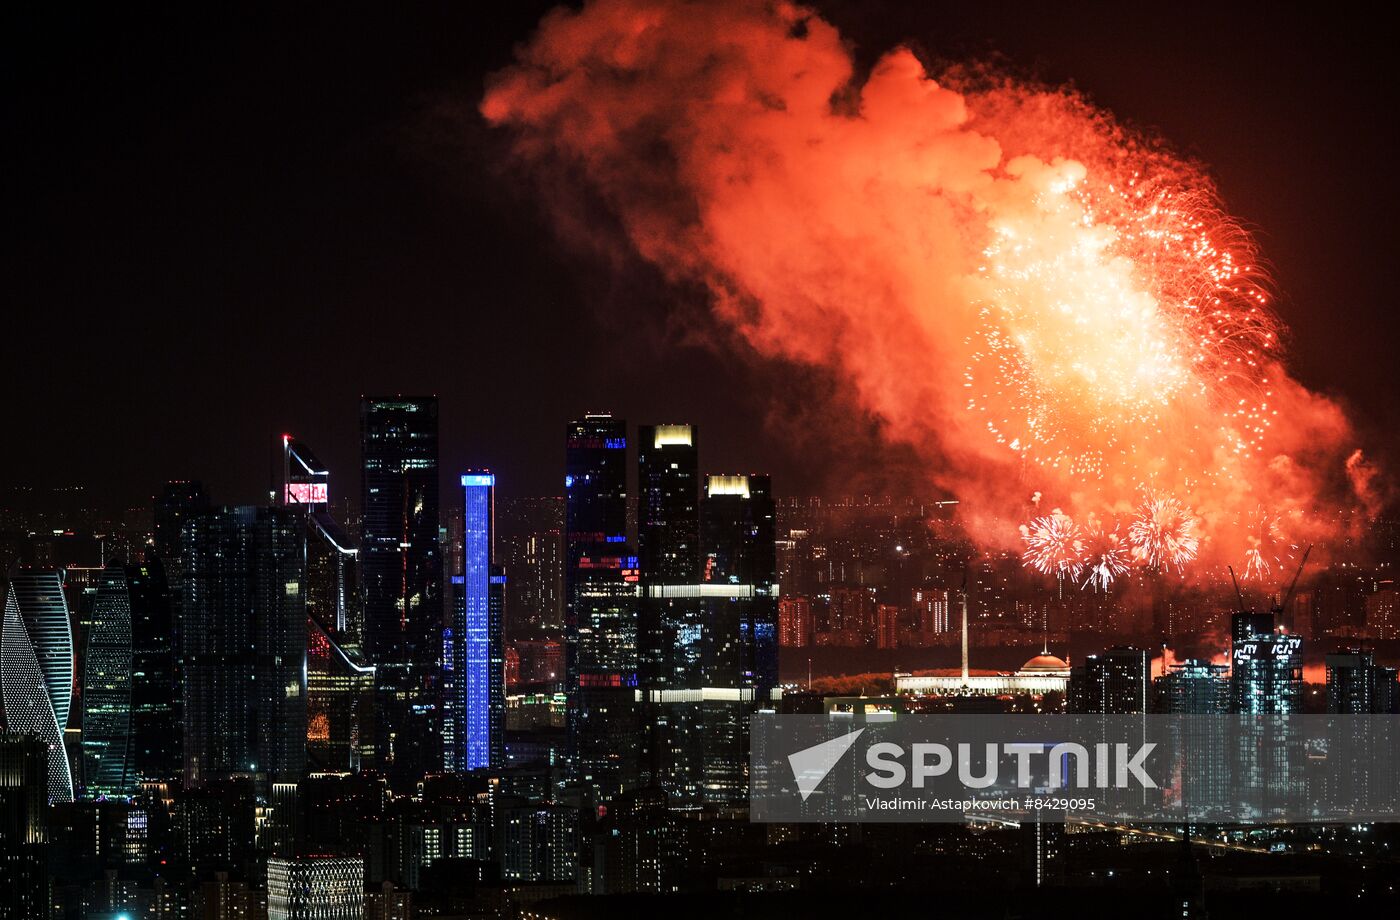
(25, 707)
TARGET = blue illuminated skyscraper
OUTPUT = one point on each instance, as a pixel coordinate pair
(476, 646)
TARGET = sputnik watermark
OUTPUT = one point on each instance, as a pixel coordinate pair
(845, 766)
(1113, 765)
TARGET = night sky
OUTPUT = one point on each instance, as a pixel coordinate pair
(226, 227)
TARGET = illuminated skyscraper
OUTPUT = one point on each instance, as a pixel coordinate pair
(476, 643)
(332, 571)
(401, 580)
(339, 682)
(740, 645)
(1266, 679)
(1194, 687)
(108, 768)
(44, 608)
(670, 622)
(244, 607)
(25, 707)
(1267, 673)
(600, 591)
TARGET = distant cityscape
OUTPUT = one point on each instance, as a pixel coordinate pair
(373, 697)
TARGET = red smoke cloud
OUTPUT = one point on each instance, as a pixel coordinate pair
(1034, 298)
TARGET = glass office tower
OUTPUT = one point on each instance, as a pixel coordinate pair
(244, 607)
(671, 618)
(600, 590)
(25, 707)
(738, 537)
(401, 580)
(44, 608)
(108, 770)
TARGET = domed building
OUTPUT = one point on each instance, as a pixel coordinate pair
(1045, 673)
(1045, 665)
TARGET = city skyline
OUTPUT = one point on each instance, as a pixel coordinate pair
(699, 458)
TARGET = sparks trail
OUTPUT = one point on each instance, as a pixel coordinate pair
(1267, 548)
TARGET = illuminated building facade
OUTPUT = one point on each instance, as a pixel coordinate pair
(108, 768)
(932, 610)
(739, 586)
(316, 888)
(1266, 676)
(600, 617)
(1356, 685)
(244, 640)
(538, 843)
(25, 707)
(339, 705)
(1114, 682)
(795, 622)
(44, 608)
(671, 622)
(474, 655)
(1194, 687)
(1040, 675)
(1266, 679)
(332, 570)
(401, 579)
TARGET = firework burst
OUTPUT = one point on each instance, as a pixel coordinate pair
(1162, 536)
(1054, 545)
(1106, 556)
(1112, 308)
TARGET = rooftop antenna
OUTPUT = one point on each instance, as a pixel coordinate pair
(1283, 605)
(1238, 593)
